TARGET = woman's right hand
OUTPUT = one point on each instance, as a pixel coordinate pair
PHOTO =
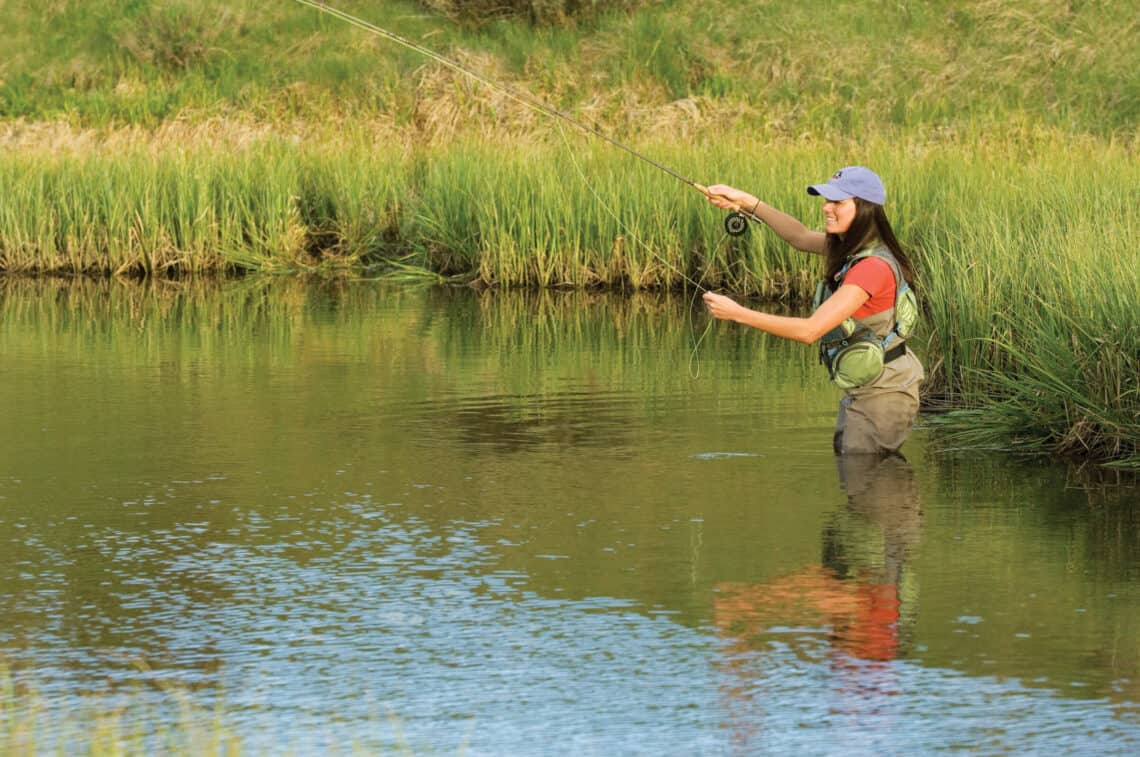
(729, 198)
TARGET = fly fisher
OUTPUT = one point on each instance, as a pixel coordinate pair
(864, 309)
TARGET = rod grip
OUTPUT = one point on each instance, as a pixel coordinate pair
(705, 191)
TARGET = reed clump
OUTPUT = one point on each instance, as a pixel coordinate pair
(177, 36)
(138, 207)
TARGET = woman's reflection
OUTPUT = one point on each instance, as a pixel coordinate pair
(850, 610)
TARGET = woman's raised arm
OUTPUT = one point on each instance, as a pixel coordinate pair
(790, 229)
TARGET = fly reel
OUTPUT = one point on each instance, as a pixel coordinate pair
(736, 224)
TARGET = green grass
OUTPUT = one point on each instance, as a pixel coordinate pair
(1025, 247)
(192, 208)
(169, 139)
(813, 67)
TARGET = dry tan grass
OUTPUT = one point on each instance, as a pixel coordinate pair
(231, 132)
(449, 103)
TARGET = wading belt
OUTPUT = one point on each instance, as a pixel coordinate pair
(894, 352)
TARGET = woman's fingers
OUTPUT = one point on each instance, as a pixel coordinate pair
(721, 196)
(719, 306)
(728, 198)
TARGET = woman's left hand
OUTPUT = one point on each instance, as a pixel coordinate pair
(722, 307)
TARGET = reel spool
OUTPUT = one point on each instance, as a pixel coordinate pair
(736, 224)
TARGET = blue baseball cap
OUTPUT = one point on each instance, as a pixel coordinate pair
(853, 181)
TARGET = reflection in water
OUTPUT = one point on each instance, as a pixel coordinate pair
(849, 608)
(517, 524)
(868, 546)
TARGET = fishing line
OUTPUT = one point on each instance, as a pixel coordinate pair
(694, 356)
(617, 219)
(517, 95)
(521, 97)
(735, 223)
(698, 287)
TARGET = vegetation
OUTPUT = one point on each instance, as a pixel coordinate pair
(811, 67)
(202, 137)
(170, 721)
(537, 12)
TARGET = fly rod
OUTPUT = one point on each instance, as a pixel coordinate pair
(735, 224)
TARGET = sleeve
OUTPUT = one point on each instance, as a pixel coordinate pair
(873, 276)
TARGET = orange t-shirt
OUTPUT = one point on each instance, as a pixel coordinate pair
(873, 276)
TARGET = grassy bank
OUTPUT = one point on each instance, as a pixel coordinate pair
(1025, 243)
(166, 139)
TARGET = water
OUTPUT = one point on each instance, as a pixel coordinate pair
(352, 516)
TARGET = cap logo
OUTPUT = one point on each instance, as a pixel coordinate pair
(837, 174)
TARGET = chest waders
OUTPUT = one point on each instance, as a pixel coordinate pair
(856, 350)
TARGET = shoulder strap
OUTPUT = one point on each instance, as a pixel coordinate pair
(901, 285)
(882, 253)
(851, 261)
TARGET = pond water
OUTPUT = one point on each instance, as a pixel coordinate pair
(349, 515)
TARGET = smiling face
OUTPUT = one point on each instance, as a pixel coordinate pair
(838, 215)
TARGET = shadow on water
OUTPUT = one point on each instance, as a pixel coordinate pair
(522, 510)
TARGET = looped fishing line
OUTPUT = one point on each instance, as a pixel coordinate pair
(698, 287)
(534, 103)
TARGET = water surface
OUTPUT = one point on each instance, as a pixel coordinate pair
(354, 515)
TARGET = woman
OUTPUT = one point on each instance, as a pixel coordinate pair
(875, 417)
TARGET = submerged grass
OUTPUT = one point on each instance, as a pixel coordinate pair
(151, 715)
(166, 720)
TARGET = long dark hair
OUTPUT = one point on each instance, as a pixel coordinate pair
(870, 225)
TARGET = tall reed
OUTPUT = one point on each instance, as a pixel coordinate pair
(179, 209)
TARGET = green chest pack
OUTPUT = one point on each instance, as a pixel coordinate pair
(856, 350)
